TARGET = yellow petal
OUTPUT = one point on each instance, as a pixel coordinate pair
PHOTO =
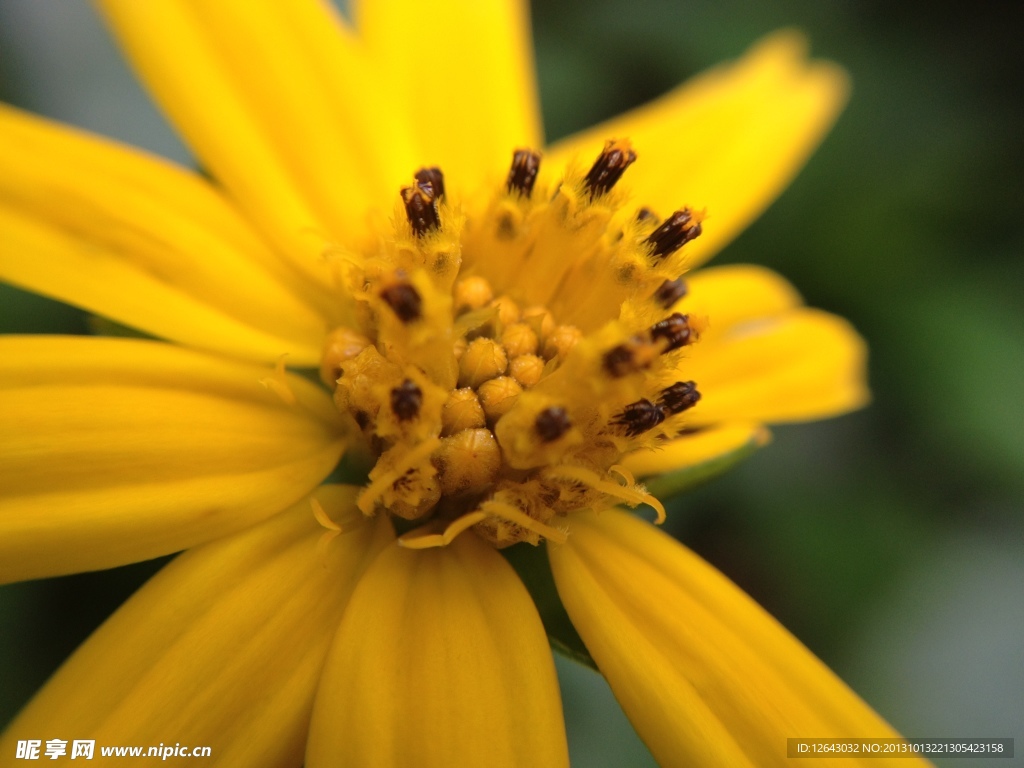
(269, 97)
(145, 243)
(734, 294)
(691, 450)
(704, 674)
(118, 450)
(464, 71)
(800, 365)
(440, 660)
(223, 648)
(729, 140)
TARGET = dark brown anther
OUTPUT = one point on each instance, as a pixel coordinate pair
(618, 361)
(614, 159)
(675, 330)
(404, 300)
(679, 397)
(639, 417)
(431, 181)
(646, 214)
(421, 200)
(552, 423)
(632, 356)
(421, 205)
(676, 231)
(523, 173)
(406, 399)
(670, 292)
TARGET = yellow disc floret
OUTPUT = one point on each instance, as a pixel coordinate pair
(501, 361)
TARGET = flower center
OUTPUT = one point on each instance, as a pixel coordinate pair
(501, 360)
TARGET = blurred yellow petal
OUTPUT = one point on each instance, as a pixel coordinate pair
(119, 450)
(736, 136)
(273, 100)
(801, 365)
(464, 72)
(691, 450)
(223, 648)
(315, 95)
(704, 674)
(440, 660)
(145, 243)
(735, 294)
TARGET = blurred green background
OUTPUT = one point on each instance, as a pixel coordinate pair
(891, 541)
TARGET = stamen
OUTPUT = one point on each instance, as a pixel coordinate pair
(670, 292)
(614, 159)
(679, 397)
(431, 181)
(523, 173)
(618, 361)
(421, 207)
(677, 230)
(675, 330)
(646, 214)
(639, 417)
(635, 355)
(406, 399)
(404, 300)
(552, 423)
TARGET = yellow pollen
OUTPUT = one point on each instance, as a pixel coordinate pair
(505, 353)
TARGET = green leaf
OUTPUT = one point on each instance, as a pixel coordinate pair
(531, 563)
(26, 312)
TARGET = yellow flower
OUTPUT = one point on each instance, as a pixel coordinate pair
(509, 346)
